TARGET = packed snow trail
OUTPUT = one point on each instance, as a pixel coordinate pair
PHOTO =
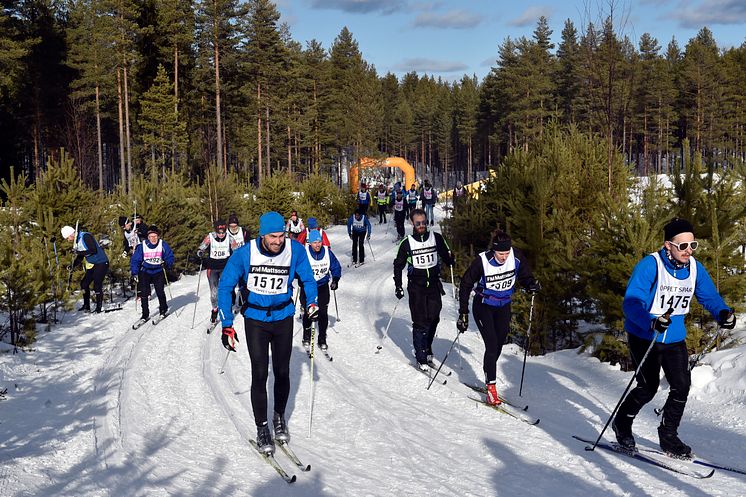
(104, 410)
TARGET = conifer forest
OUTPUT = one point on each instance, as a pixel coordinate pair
(185, 111)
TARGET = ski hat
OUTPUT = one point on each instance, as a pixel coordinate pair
(123, 220)
(676, 226)
(138, 216)
(154, 229)
(220, 225)
(271, 222)
(312, 223)
(314, 236)
(233, 219)
(67, 231)
(501, 242)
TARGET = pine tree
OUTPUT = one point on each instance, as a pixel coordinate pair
(163, 132)
(12, 52)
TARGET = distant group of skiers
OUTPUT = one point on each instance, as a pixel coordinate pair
(657, 298)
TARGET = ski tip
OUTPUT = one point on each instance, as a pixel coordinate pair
(307, 468)
(291, 479)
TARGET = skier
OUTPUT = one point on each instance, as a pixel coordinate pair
(96, 265)
(429, 197)
(411, 197)
(495, 272)
(270, 262)
(146, 267)
(294, 225)
(382, 199)
(357, 226)
(325, 267)
(220, 249)
(237, 235)
(131, 238)
(363, 199)
(422, 252)
(313, 225)
(141, 228)
(661, 281)
(399, 214)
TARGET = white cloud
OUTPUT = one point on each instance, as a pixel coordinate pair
(711, 12)
(361, 6)
(423, 64)
(530, 16)
(456, 19)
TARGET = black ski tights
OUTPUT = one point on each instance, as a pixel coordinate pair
(494, 324)
(260, 336)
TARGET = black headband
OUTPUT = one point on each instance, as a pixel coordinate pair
(501, 246)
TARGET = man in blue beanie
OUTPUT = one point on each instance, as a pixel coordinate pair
(658, 298)
(327, 271)
(268, 264)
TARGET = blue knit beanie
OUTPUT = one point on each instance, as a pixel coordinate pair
(314, 236)
(312, 223)
(271, 222)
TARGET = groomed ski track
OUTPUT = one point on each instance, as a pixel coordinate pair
(104, 410)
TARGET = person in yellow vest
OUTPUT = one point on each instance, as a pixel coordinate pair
(382, 199)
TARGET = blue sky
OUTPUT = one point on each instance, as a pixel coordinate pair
(449, 38)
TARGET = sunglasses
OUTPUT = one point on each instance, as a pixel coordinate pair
(685, 245)
(420, 223)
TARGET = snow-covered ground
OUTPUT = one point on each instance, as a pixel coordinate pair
(97, 409)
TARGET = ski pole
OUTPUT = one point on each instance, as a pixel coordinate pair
(453, 285)
(371, 251)
(528, 341)
(693, 364)
(222, 368)
(386, 331)
(199, 280)
(443, 361)
(310, 390)
(336, 307)
(72, 262)
(168, 284)
(626, 390)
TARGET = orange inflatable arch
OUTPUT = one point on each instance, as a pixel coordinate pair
(367, 162)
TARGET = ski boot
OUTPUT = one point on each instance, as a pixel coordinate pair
(264, 440)
(622, 426)
(671, 443)
(214, 315)
(492, 398)
(282, 435)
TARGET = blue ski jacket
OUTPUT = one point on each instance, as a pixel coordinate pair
(638, 298)
(266, 308)
(137, 264)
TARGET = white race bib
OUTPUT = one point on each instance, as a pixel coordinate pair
(672, 292)
(424, 254)
(269, 275)
(320, 267)
(154, 255)
(499, 278)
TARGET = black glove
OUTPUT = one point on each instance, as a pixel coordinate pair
(661, 323)
(229, 338)
(350, 235)
(333, 285)
(534, 287)
(368, 237)
(727, 319)
(463, 322)
(313, 312)
(399, 293)
(200, 253)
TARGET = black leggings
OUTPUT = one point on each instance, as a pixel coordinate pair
(674, 359)
(259, 337)
(358, 246)
(494, 325)
(158, 280)
(382, 213)
(94, 275)
(323, 323)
